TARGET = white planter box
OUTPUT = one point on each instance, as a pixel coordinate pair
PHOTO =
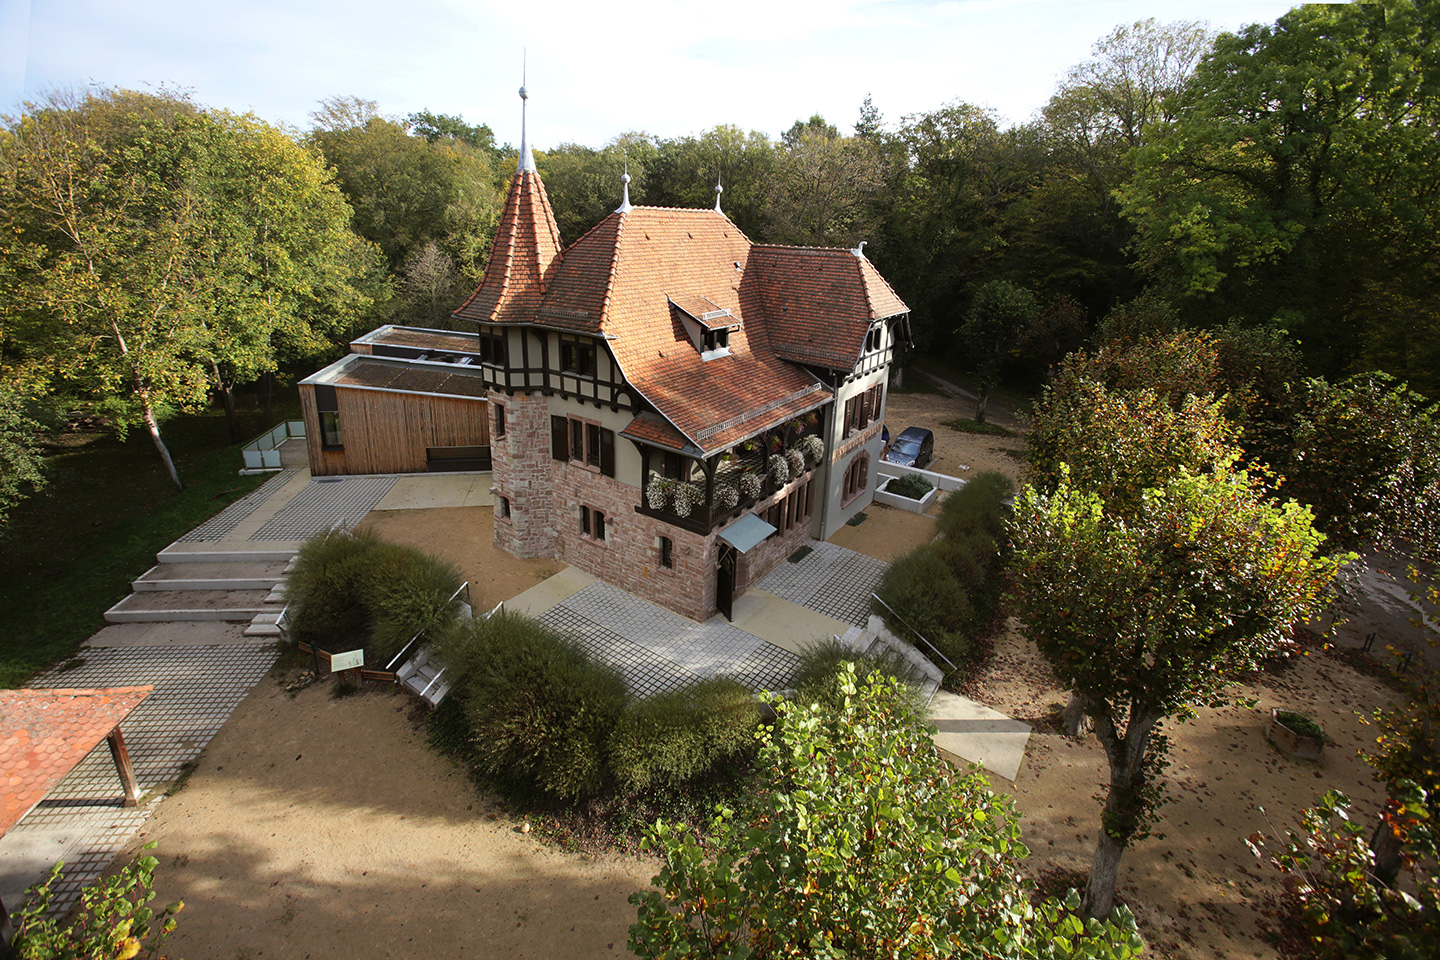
(883, 495)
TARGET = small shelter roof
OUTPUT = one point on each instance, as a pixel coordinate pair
(45, 733)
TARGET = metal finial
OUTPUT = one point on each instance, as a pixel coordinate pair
(527, 159)
(718, 190)
(625, 182)
(860, 250)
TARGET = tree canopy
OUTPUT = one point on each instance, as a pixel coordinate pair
(863, 843)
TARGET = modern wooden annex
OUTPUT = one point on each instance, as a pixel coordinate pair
(663, 403)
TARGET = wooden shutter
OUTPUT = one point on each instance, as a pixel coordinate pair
(559, 438)
(607, 452)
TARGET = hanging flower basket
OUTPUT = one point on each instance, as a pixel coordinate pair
(687, 497)
(814, 449)
(779, 469)
(796, 458)
(727, 497)
(751, 485)
(658, 492)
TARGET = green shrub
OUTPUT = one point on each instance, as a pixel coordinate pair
(910, 485)
(540, 711)
(114, 919)
(674, 737)
(356, 588)
(947, 590)
(924, 596)
(979, 505)
(1300, 724)
(823, 663)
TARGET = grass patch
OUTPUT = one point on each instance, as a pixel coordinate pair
(966, 425)
(69, 552)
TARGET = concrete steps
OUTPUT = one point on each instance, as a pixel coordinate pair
(182, 553)
(155, 606)
(424, 676)
(874, 639)
(212, 575)
(195, 583)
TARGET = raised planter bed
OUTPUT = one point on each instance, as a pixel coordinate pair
(1295, 735)
(883, 495)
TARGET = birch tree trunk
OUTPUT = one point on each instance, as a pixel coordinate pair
(153, 426)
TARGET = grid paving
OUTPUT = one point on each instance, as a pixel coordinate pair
(196, 690)
(220, 525)
(831, 579)
(657, 650)
(324, 504)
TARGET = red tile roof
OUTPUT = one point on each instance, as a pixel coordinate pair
(45, 733)
(527, 241)
(619, 281)
(819, 301)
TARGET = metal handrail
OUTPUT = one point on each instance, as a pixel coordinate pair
(917, 633)
(464, 588)
(432, 681)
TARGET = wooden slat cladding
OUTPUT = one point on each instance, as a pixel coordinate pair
(385, 432)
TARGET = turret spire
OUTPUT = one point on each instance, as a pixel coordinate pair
(527, 159)
(718, 190)
(625, 183)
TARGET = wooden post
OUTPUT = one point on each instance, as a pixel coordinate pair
(122, 764)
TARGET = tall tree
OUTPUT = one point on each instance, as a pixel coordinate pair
(99, 218)
(824, 187)
(686, 170)
(1146, 613)
(1295, 183)
(405, 189)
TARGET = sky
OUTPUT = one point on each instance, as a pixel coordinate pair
(594, 70)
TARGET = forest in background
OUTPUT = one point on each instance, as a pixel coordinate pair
(156, 253)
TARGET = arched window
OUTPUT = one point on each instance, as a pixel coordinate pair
(857, 478)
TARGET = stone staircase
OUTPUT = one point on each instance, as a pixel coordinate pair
(421, 675)
(875, 639)
(236, 586)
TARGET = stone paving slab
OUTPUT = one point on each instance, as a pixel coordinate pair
(832, 580)
(659, 650)
(325, 503)
(218, 526)
(81, 821)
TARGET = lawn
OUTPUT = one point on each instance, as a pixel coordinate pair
(70, 552)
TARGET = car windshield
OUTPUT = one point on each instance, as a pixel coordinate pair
(907, 445)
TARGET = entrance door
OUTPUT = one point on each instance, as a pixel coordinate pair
(725, 581)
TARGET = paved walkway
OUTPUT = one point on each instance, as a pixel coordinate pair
(200, 672)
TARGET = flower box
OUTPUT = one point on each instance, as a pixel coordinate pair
(883, 495)
(1302, 743)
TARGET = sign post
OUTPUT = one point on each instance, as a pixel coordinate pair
(349, 660)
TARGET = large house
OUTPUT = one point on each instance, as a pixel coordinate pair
(663, 403)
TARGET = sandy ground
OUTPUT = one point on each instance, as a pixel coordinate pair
(315, 827)
(322, 828)
(465, 536)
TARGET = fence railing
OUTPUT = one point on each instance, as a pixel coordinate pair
(465, 589)
(915, 633)
(263, 453)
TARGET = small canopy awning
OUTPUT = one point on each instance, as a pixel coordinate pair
(746, 532)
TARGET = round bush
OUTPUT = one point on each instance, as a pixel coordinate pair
(674, 737)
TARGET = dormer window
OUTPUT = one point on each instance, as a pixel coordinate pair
(716, 340)
(707, 323)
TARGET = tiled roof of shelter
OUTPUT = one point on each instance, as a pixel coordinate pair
(654, 429)
(45, 733)
(527, 241)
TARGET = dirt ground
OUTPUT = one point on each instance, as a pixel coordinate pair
(322, 828)
(465, 536)
(315, 827)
